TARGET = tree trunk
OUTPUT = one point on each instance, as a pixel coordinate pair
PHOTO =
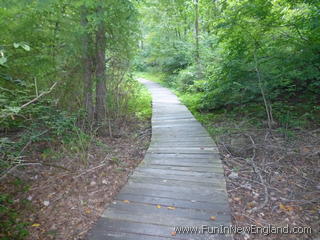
(266, 104)
(100, 76)
(196, 24)
(87, 71)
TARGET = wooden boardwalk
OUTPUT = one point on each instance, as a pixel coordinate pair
(180, 182)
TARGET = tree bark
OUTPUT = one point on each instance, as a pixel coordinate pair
(196, 23)
(87, 71)
(100, 75)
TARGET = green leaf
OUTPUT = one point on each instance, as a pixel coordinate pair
(14, 110)
(25, 47)
(3, 60)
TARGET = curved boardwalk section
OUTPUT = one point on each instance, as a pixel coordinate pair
(180, 183)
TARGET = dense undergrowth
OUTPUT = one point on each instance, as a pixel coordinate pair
(254, 59)
(65, 85)
(287, 118)
(42, 134)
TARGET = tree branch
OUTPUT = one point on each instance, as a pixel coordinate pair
(42, 94)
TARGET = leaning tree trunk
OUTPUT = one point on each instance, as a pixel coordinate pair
(87, 71)
(100, 76)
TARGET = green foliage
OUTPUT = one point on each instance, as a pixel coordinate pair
(158, 77)
(140, 103)
(38, 122)
(11, 226)
(192, 101)
(127, 98)
(46, 124)
(239, 40)
(42, 46)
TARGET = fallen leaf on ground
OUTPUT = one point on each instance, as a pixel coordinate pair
(213, 218)
(126, 201)
(239, 218)
(251, 204)
(171, 208)
(285, 207)
(35, 225)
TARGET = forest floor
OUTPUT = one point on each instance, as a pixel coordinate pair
(272, 177)
(63, 204)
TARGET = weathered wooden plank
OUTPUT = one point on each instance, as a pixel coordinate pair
(209, 168)
(180, 173)
(189, 204)
(200, 157)
(161, 219)
(217, 196)
(203, 139)
(189, 149)
(156, 122)
(176, 125)
(181, 145)
(191, 142)
(164, 186)
(188, 143)
(157, 211)
(178, 177)
(175, 177)
(172, 117)
(177, 134)
(107, 229)
(112, 235)
(207, 160)
(191, 163)
(107, 226)
(216, 183)
(194, 150)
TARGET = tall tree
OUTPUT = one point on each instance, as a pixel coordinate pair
(87, 69)
(196, 26)
(100, 52)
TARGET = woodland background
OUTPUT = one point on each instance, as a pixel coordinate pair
(248, 70)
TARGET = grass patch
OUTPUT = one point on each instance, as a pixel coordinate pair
(140, 104)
